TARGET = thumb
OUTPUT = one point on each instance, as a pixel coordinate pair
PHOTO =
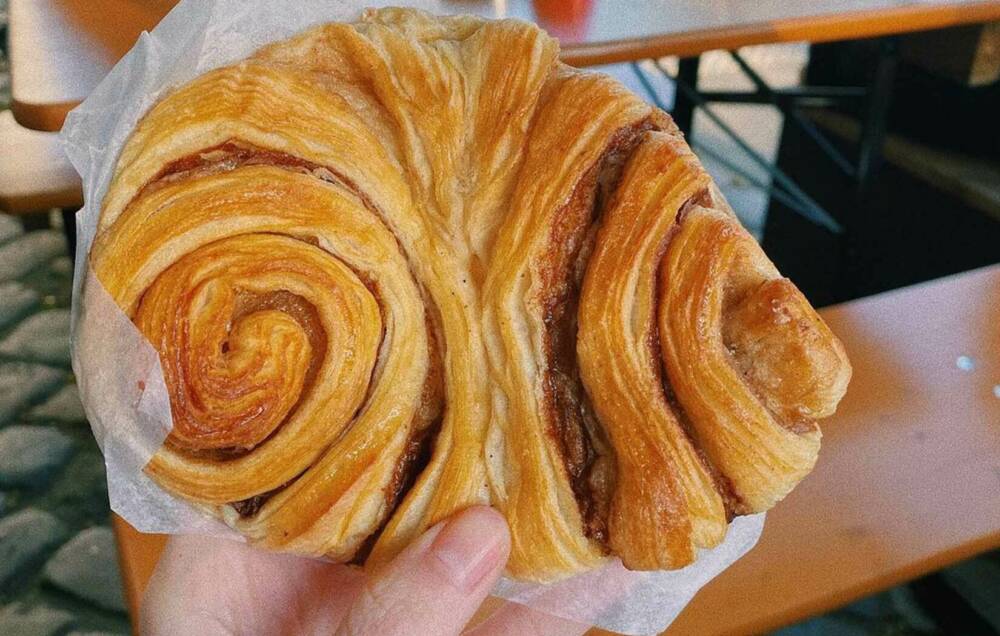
(436, 584)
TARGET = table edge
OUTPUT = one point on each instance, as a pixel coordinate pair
(816, 28)
(41, 117)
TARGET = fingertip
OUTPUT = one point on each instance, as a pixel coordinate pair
(488, 520)
(472, 547)
(436, 583)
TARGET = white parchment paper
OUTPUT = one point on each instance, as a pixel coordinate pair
(118, 371)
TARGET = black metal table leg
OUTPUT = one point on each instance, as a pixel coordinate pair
(791, 113)
(873, 131)
(876, 112)
(795, 197)
(69, 229)
(683, 112)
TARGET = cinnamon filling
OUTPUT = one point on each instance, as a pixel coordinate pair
(426, 424)
(229, 156)
(574, 426)
(730, 500)
(301, 310)
(420, 445)
(415, 457)
(305, 314)
(249, 507)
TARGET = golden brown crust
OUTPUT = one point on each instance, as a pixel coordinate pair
(750, 361)
(619, 362)
(398, 267)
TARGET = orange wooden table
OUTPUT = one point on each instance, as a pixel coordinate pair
(60, 49)
(908, 480)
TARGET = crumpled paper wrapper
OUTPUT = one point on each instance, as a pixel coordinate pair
(118, 371)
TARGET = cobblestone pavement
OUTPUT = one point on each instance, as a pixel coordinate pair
(58, 567)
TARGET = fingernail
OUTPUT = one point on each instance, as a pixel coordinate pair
(471, 546)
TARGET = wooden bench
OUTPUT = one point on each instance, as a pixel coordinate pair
(35, 174)
(908, 480)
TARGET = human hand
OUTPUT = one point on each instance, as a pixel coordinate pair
(209, 586)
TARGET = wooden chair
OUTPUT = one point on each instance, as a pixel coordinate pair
(36, 176)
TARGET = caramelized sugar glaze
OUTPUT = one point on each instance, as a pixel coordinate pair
(399, 267)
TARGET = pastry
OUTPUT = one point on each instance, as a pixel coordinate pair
(403, 266)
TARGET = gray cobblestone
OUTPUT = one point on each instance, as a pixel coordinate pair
(87, 567)
(9, 228)
(23, 254)
(25, 537)
(62, 265)
(30, 455)
(17, 302)
(22, 384)
(18, 620)
(43, 337)
(64, 406)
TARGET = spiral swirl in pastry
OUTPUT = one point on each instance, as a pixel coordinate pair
(403, 266)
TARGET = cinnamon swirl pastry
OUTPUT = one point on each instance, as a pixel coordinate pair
(399, 267)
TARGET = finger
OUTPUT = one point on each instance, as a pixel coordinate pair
(514, 618)
(435, 585)
(206, 585)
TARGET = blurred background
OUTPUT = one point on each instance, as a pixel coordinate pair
(862, 163)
